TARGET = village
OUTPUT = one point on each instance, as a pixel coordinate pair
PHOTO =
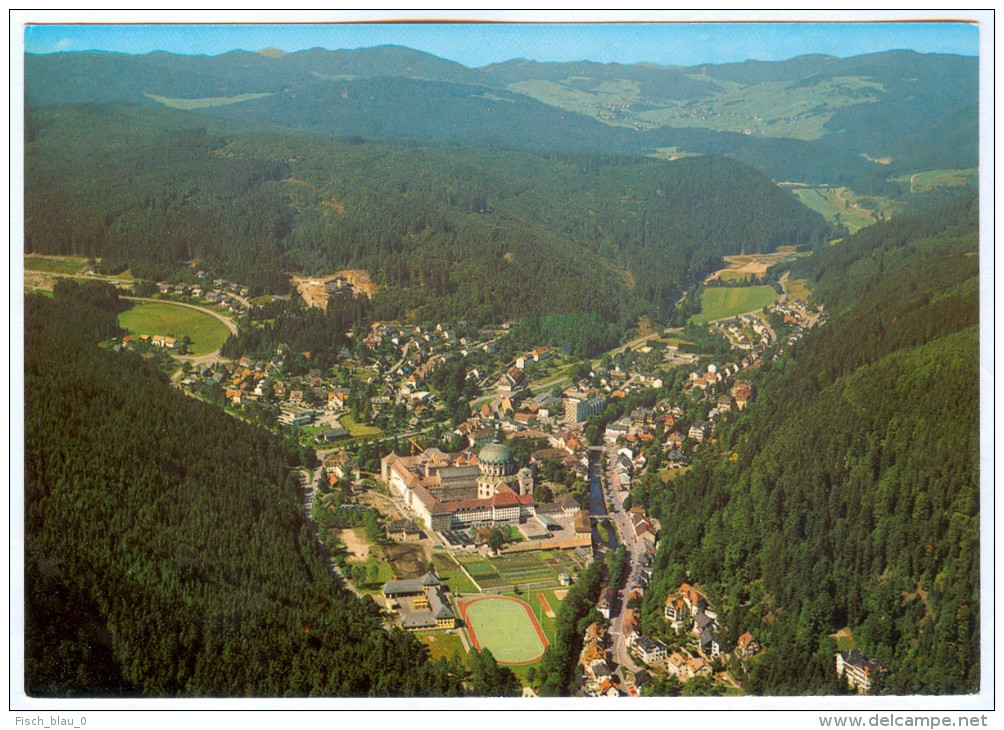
(430, 511)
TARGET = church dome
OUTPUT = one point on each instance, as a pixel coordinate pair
(495, 454)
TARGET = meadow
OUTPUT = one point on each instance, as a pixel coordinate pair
(207, 334)
(723, 302)
(54, 264)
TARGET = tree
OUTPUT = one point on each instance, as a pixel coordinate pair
(488, 679)
(543, 494)
(496, 539)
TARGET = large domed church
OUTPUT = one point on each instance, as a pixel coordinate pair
(498, 468)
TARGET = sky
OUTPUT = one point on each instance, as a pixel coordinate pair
(482, 43)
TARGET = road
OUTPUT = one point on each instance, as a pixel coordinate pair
(404, 354)
(636, 553)
(308, 481)
(635, 342)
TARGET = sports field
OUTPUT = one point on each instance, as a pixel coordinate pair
(207, 333)
(719, 302)
(506, 627)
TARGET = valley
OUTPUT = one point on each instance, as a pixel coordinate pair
(365, 373)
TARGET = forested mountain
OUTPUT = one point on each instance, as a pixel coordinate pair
(881, 105)
(452, 231)
(166, 552)
(848, 494)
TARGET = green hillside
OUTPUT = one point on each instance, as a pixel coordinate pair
(445, 230)
(853, 499)
(166, 553)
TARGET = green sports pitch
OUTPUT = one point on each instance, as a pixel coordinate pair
(504, 626)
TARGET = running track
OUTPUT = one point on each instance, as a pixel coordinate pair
(462, 607)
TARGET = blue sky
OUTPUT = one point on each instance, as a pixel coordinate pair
(478, 44)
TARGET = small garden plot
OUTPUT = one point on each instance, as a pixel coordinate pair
(523, 568)
(452, 575)
(482, 571)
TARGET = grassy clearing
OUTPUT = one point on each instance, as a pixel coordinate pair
(734, 276)
(841, 205)
(668, 475)
(844, 639)
(54, 264)
(723, 302)
(205, 102)
(675, 341)
(385, 572)
(442, 646)
(931, 179)
(798, 289)
(358, 430)
(207, 334)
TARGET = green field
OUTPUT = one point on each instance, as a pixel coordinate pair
(924, 181)
(357, 430)
(733, 276)
(723, 302)
(205, 102)
(504, 627)
(53, 264)
(840, 205)
(442, 646)
(385, 573)
(207, 334)
(798, 289)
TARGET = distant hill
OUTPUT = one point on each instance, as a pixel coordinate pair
(792, 119)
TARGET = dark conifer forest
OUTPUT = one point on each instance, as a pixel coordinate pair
(166, 550)
(848, 494)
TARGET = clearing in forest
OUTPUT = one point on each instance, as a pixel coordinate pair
(206, 333)
(724, 302)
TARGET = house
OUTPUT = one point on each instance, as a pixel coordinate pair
(295, 417)
(334, 434)
(511, 382)
(674, 440)
(684, 666)
(403, 531)
(699, 431)
(746, 645)
(709, 643)
(605, 605)
(676, 611)
(649, 650)
(677, 459)
(859, 671)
